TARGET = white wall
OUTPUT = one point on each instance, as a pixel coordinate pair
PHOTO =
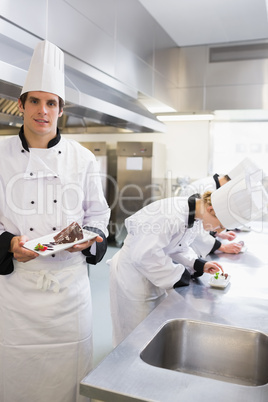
(187, 146)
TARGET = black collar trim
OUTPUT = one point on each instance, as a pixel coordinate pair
(216, 178)
(51, 143)
(191, 204)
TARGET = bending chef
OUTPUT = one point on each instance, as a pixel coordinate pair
(157, 254)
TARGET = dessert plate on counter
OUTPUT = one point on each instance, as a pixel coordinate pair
(55, 248)
(219, 283)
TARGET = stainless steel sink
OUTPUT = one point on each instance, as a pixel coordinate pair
(210, 350)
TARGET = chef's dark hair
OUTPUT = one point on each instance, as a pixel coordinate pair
(23, 98)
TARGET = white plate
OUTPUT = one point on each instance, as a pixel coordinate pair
(213, 282)
(30, 245)
(243, 249)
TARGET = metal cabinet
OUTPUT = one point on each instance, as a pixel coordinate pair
(140, 180)
(99, 149)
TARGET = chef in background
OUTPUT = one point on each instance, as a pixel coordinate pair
(207, 243)
(46, 183)
(157, 253)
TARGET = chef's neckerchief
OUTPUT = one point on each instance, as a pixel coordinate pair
(191, 204)
(216, 178)
(51, 143)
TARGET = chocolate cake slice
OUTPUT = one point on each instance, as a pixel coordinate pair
(72, 233)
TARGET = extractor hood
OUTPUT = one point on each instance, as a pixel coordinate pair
(90, 104)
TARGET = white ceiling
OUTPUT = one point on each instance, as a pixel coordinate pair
(205, 22)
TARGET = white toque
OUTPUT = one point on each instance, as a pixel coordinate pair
(46, 71)
(240, 201)
(245, 167)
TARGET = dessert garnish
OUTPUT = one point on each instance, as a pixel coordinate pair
(220, 276)
(40, 247)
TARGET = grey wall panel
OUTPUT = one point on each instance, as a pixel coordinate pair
(133, 71)
(165, 90)
(101, 12)
(77, 35)
(135, 29)
(14, 53)
(117, 37)
(29, 14)
(122, 41)
(167, 63)
(192, 66)
(191, 99)
(234, 97)
(166, 55)
(246, 72)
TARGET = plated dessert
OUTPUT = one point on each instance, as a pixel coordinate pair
(219, 280)
(66, 238)
(72, 233)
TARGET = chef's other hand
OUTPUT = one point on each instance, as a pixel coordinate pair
(211, 267)
(20, 253)
(86, 244)
(231, 248)
(227, 235)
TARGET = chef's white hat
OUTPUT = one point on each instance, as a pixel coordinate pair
(46, 71)
(240, 201)
(246, 166)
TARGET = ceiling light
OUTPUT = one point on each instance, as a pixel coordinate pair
(154, 106)
(185, 117)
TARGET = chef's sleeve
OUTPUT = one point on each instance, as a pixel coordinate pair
(204, 243)
(216, 246)
(186, 276)
(93, 257)
(6, 258)
(147, 254)
(96, 210)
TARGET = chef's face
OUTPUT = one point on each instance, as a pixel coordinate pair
(41, 112)
(210, 221)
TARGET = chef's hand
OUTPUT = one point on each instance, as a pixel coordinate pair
(86, 244)
(211, 267)
(20, 253)
(231, 248)
(227, 235)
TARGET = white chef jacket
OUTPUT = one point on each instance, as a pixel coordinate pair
(200, 186)
(154, 256)
(46, 325)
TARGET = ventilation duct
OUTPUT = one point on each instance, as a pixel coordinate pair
(90, 99)
(238, 52)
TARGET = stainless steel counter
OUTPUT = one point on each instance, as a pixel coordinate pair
(122, 376)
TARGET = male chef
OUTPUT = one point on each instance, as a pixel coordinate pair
(46, 183)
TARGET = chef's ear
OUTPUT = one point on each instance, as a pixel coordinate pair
(60, 113)
(211, 210)
(21, 108)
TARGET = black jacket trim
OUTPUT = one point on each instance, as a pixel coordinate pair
(191, 204)
(184, 281)
(51, 143)
(216, 246)
(199, 267)
(6, 258)
(101, 248)
(216, 179)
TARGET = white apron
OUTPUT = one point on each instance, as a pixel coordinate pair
(46, 338)
(127, 308)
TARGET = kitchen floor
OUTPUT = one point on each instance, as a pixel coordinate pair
(102, 326)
